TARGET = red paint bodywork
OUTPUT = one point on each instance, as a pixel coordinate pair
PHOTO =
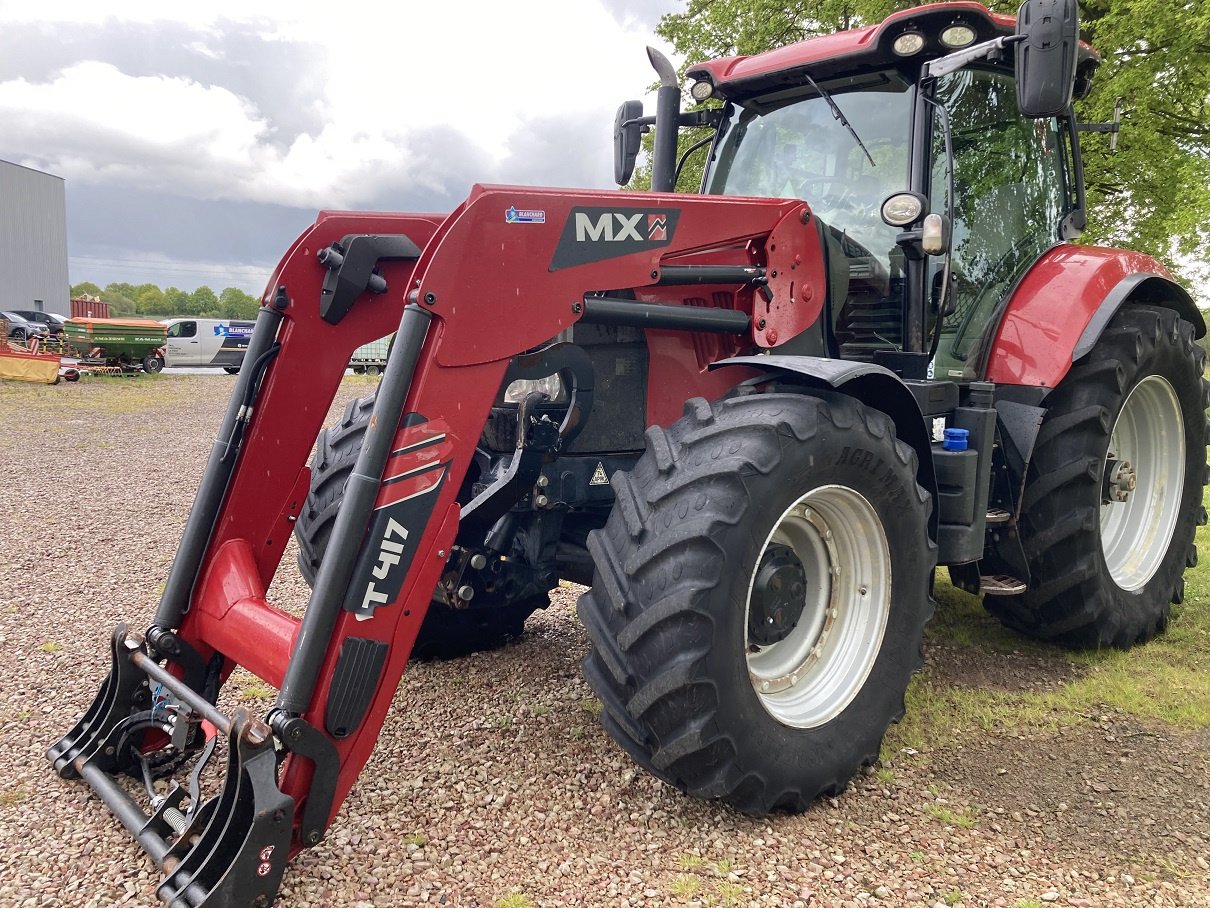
(1052, 306)
(835, 48)
(495, 296)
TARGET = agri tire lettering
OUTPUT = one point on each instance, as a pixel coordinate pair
(873, 464)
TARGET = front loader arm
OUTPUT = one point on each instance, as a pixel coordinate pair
(504, 273)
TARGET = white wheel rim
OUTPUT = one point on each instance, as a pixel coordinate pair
(1149, 434)
(811, 675)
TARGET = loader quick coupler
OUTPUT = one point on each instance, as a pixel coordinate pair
(229, 849)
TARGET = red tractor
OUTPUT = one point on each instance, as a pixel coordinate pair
(753, 419)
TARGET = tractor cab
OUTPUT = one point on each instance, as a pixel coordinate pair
(937, 152)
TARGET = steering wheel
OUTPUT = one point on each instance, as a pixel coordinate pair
(813, 189)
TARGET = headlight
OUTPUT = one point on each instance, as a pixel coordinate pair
(701, 90)
(902, 208)
(551, 386)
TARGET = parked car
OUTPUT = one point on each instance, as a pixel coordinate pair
(52, 320)
(21, 329)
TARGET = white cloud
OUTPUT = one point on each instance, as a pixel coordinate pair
(408, 96)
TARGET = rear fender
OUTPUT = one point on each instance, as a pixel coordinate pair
(1064, 302)
(875, 386)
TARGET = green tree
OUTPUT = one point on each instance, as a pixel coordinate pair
(85, 287)
(203, 301)
(116, 295)
(234, 303)
(177, 302)
(149, 300)
(1153, 195)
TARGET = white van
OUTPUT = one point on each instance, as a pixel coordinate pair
(207, 342)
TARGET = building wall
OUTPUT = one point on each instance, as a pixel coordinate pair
(33, 240)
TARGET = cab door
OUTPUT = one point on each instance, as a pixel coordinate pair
(183, 347)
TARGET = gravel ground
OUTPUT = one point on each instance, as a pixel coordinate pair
(493, 784)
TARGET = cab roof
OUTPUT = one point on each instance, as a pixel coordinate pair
(854, 51)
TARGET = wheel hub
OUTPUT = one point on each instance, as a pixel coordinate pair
(777, 596)
(1119, 480)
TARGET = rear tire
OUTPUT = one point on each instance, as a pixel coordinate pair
(748, 644)
(446, 633)
(1104, 572)
(153, 364)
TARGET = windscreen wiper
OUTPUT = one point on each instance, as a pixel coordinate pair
(839, 115)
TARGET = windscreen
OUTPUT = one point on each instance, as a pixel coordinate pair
(793, 145)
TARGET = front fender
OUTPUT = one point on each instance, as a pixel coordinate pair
(1064, 303)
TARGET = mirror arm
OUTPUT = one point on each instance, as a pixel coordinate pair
(950, 64)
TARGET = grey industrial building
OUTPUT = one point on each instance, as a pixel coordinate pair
(33, 240)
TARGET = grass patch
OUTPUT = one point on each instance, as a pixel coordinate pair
(1029, 903)
(953, 897)
(50, 646)
(731, 894)
(416, 838)
(258, 692)
(961, 620)
(685, 887)
(1166, 680)
(691, 861)
(10, 797)
(515, 900)
(961, 818)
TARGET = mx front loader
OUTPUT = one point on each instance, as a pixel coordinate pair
(753, 419)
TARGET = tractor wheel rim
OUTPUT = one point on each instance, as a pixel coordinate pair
(1149, 434)
(811, 675)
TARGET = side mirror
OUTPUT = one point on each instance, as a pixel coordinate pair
(627, 138)
(1047, 32)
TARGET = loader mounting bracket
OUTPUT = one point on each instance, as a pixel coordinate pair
(352, 264)
(304, 739)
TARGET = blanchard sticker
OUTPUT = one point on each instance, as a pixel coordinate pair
(221, 330)
(524, 216)
(594, 234)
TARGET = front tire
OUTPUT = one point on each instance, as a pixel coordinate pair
(760, 597)
(1114, 490)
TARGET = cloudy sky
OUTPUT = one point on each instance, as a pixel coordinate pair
(199, 139)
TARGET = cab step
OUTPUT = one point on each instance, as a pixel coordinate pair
(1001, 585)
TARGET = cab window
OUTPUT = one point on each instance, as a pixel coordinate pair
(182, 329)
(1009, 201)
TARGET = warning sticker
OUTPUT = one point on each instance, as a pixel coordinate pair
(599, 477)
